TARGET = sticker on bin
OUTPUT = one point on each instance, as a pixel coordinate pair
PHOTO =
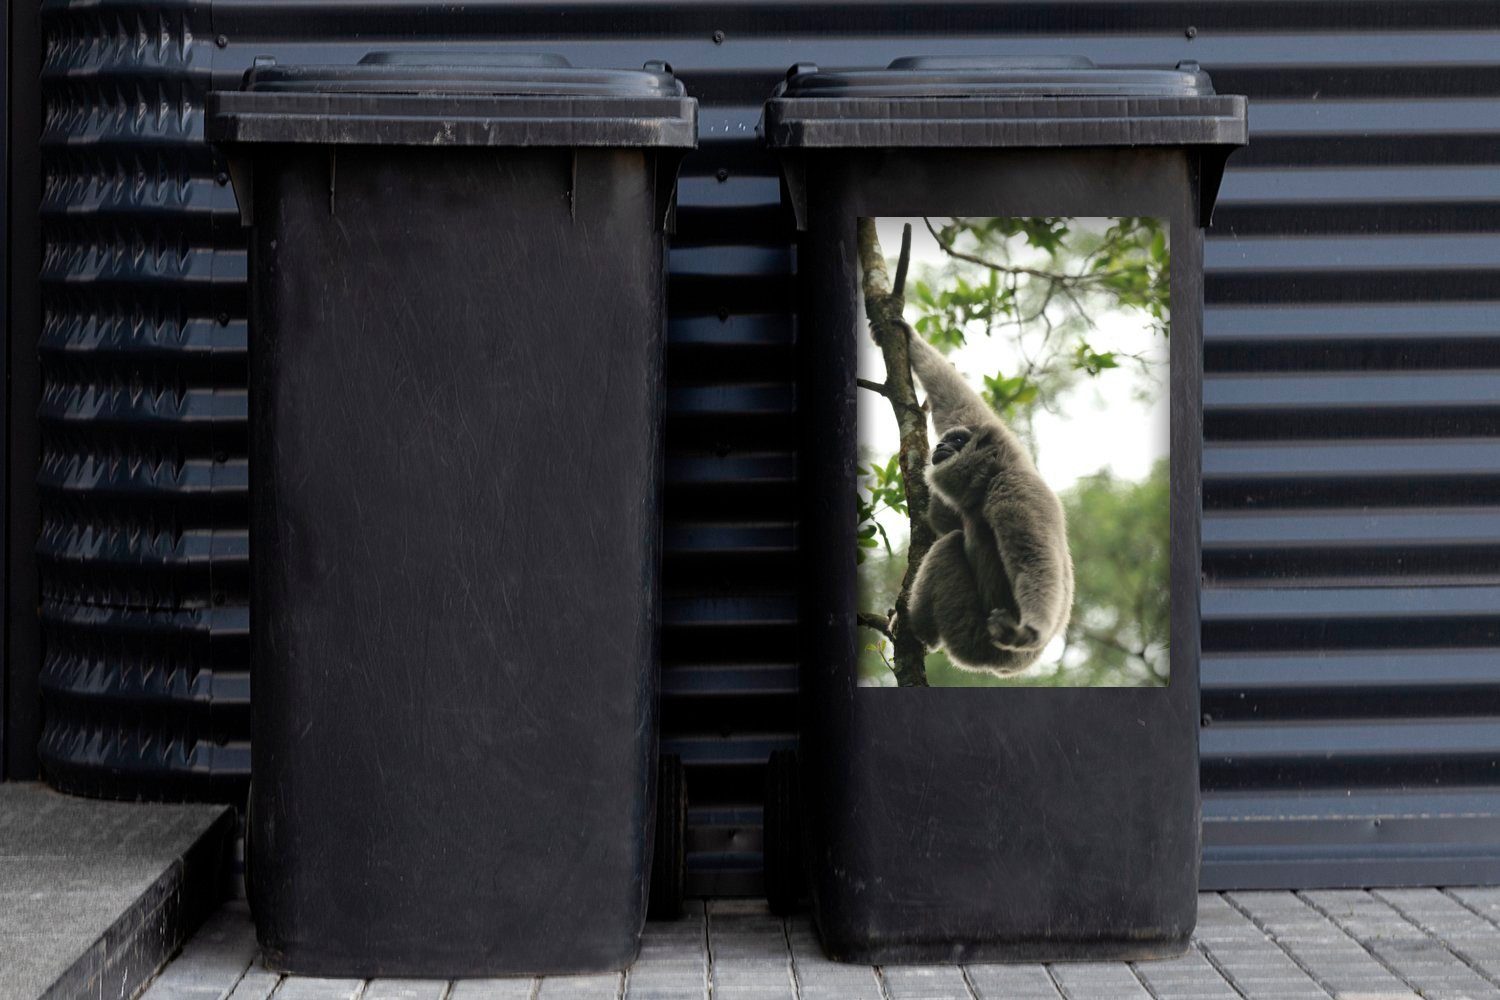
(1014, 460)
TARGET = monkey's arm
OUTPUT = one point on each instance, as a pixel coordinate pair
(953, 403)
(1031, 533)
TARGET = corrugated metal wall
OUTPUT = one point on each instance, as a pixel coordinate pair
(1351, 678)
(144, 550)
(1352, 465)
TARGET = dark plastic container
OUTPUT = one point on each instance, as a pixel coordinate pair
(973, 824)
(455, 389)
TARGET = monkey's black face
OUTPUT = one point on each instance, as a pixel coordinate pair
(951, 444)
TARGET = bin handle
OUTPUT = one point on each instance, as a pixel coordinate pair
(242, 183)
(667, 164)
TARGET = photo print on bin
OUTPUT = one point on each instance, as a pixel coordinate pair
(1013, 452)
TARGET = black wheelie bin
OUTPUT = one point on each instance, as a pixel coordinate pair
(457, 313)
(977, 821)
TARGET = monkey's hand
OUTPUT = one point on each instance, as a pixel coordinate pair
(1007, 633)
(881, 333)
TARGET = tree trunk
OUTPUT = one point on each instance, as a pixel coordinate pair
(884, 302)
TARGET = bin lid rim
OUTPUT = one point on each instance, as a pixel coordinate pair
(993, 76)
(488, 73)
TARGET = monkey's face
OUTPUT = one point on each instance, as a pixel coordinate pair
(964, 463)
(950, 444)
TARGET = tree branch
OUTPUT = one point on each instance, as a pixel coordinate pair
(898, 284)
(881, 389)
(1061, 279)
(884, 303)
(879, 624)
(1112, 642)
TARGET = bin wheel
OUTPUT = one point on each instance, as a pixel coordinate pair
(669, 860)
(785, 876)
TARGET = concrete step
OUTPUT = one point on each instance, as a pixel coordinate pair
(95, 896)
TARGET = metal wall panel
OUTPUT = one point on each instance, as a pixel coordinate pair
(1352, 461)
(143, 547)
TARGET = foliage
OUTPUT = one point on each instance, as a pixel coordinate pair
(1120, 534)
(1043, 280)
(886, 491)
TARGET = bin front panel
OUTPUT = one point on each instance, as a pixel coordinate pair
(972, 823)
(456, 425)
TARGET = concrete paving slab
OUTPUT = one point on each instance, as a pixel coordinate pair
(1384, 945)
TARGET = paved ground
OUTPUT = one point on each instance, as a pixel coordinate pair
(95, 895)
(1440, 944)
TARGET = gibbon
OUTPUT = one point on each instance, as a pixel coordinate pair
(997, 585)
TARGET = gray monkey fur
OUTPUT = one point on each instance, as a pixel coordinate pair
(997, 585)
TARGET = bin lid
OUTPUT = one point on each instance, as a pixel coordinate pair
(999, 102)
(994, 76)
(456, 98)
